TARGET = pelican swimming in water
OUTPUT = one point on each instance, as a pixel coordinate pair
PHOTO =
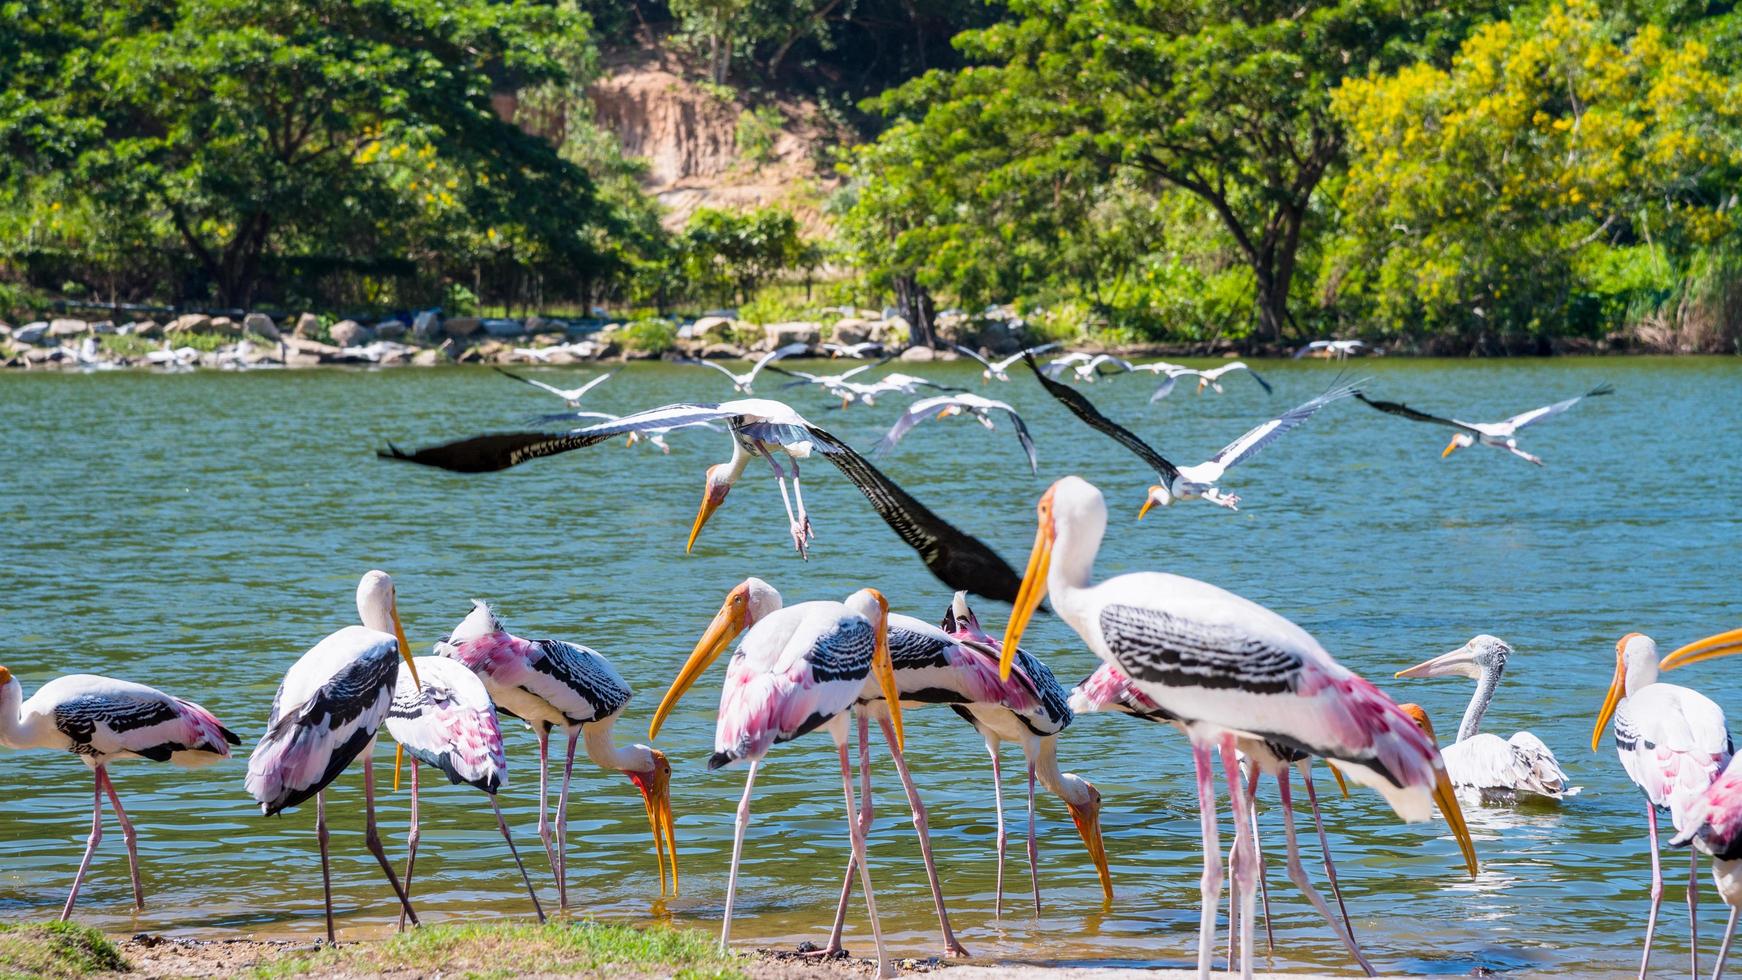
(1500, 435)
(1495, 769)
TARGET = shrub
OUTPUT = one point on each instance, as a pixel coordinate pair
(650, 336)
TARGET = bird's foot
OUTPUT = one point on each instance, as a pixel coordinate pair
(833, 951)
(800, 531)
(955, 951)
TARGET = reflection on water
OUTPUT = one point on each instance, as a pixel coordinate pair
(199, 532)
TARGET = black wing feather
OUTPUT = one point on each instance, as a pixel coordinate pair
(493, 451)
(1082, 409)
(1400, 409)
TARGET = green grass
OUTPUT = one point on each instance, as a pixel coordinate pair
(127, 346)
(56, 950)
(489, 951)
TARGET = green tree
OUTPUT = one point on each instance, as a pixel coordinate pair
(735, 252)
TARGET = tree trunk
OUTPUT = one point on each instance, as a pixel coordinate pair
(915, 304)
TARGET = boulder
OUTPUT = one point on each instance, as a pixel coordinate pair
(919, 354)
(890, 330)
(426, 326)
(103, 327)
(797, 332)
(390, 329)
(307, 325)
(144, 328)
(349, 333)
(31, 333)
(45, 355)
(541, 325)
(726, 351)
(461, 326)
(562, 356)
(503, 328)
(223, 326)
(717, 325)
(852, 330)
(67, 327)
(188, 323)
(311, 348)
(428, 357)
(260, 325)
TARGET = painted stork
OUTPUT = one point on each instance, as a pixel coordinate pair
(1110, 689)
(998, 369)
(799, 668)
(1339, 349)
(944, 406)
(854, 351)
(551, 684)
(103, 720)
(1494, 769)
(1673, 742)
(572, 396)
(326, 715)
(742, 383)
(448, 722)
(1190, 482)
(760, 429)
(1226, 667)
(1500, 435)
(834, 384)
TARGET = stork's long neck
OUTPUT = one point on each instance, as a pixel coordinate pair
(1064, 785)
(15, 731)
(1073, 561)
(1485, 687)
(607, 755)
(735, 466)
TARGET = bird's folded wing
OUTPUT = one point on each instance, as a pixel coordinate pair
(1082, 409)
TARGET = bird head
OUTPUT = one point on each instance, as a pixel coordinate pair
(1636, 666)
(5, 677)
(870, 604)
(719, 483)
(986, 376)
(1461, 440)
(655, 786)
(949, 410)
(1086, 814)
(1483, 653)
(378, 608)
(1158, 494)
(1417, 715)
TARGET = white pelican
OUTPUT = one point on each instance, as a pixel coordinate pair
(1340, 349)
(102, 720)
(944, 406)
(325, 716)
(1673, 742)
(1190, 482)
(551, 684)
(572, 396)
(997, 369)
(764, 429)
(449, 723)
(1496, 770)
(741, 383)
(1226, 667)
(798, 668)
(1500, 435)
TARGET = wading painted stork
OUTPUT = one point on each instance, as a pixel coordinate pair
(761, 429)
(102, 720)
(1500, 435)
(1494, 769)
(448, 722)
(742, 383)
(1109, 689)
(572, 396)
(1673, 742)
(325, 716)
(1226, 667)
(799, 668)
(944, 406)
(1190, 482)
(997, 369)
(551, 684)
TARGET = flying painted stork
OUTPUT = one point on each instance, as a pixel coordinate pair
(555, 685)
(998, 369)
(965, 403)
(742, 383)
(1499, 435)
(571, 396)
(1190, 482)
(1110, 689)
(448, 722)
(1673, 742)
(798, 668)
(761, 429)
(332, 701)
(102, 720)
(1226, 667)
(1493, 769)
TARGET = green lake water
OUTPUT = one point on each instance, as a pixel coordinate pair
(198, 532)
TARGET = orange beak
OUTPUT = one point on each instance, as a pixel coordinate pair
(884, 669)
(1450, 448)
(726, 626)
(1088, 820)
(713, 495)
(1721, 645)
(1617, 688)
(655, 789)
(1033, 585)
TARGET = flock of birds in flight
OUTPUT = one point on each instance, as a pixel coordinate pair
(1237, 679)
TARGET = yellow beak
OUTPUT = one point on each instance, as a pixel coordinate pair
(1029, 595)
(1721, 645)
(884, 668)
(1450, 446)
(404, 646)
(1616, 688)
(1148, 502)
(1447, 798)
(1338, 776)
(655, 789)
(710, 503)
(727, 624)
(1088, 821)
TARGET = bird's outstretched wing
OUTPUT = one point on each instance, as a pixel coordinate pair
(572, 415)
(1012, 359)
(1535, 415)
(583, 389)
(1311, 346)
(1215, 374)
(1165, 388)
(959, 560)
(501, 450)
(539, 384)
(915, 414)
(1399, 408)
(1082, 409)
(1022, 436)
(1265, 433)
(775, 355)
(723, 369)
(973, 354)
